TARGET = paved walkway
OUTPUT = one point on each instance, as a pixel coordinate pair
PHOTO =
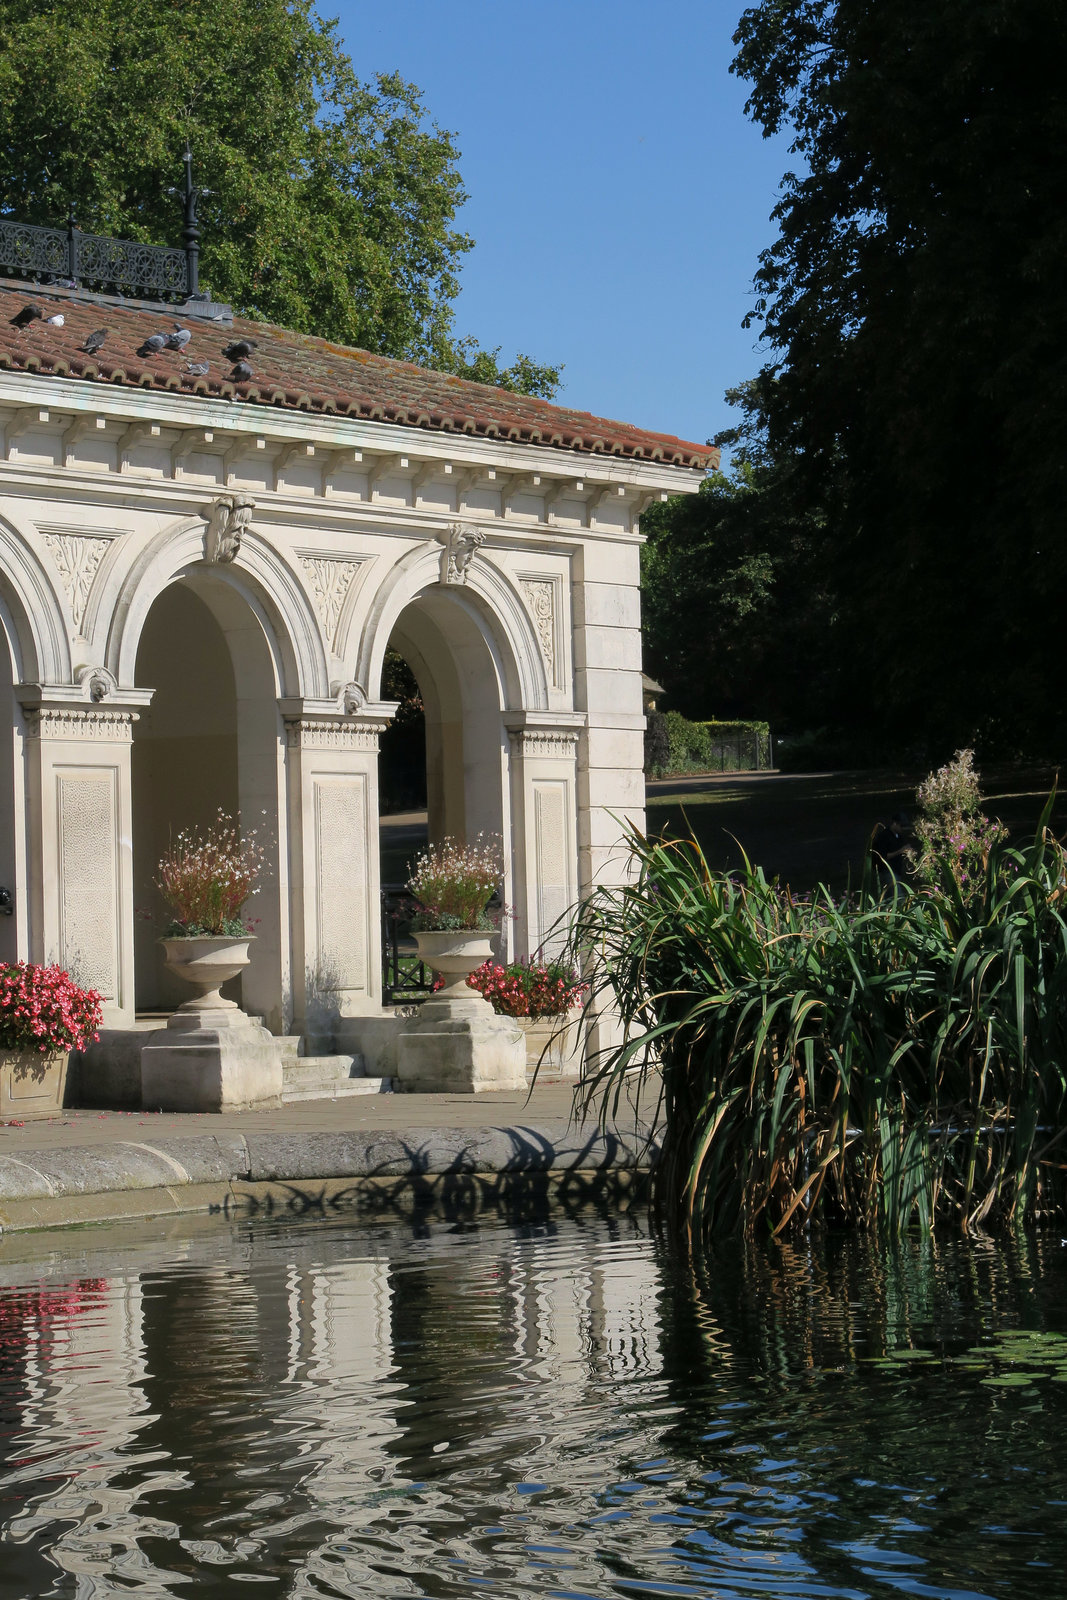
(370, 1112)
(389, 1151)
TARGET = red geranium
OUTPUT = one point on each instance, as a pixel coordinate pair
(42, 1008)
(528, 988)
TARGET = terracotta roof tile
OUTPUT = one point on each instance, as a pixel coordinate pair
(297, 372)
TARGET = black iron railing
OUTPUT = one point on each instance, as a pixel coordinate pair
(74, 259)
(405, 981)
(71, 257)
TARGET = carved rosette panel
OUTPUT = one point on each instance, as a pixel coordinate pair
(77, 557)
(329, 578)
(332, 733)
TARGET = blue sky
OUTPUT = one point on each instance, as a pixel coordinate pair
(618, 195)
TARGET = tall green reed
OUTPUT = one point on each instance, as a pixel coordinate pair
(888, 1059)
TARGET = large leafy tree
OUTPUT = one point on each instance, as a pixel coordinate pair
(332, 202)
(915, 308)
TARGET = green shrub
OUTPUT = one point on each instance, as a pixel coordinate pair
(888, 1060)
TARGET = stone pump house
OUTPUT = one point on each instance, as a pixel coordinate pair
(200, 572)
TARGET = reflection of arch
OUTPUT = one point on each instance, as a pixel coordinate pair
(488, 595)
(272, 590)
(36, 611)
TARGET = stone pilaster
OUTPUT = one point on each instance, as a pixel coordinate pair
(544, 806)
(79, 832)
(332, 759)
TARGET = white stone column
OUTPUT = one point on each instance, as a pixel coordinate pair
(334, 875)
(79, 836)
(544, 804)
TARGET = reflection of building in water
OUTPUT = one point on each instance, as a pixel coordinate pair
(280, 1398)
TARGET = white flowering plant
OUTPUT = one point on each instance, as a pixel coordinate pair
(454, 883)
(206, 877)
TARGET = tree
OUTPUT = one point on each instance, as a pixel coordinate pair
(733, 595)
(330, 204)
(916, 312)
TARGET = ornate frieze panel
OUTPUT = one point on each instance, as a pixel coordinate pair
(540, 596)
(330, 579)
(554, 742)
(72, 722)
(77, 556)
(332, 733)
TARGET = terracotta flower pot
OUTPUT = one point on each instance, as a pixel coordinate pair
(207, 961)
(32, 1083)
(455, 954)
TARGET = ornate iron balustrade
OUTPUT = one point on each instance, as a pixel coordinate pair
(68, 255)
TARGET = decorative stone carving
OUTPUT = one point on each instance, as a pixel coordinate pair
(332, 733)
(78, 557)
(97, 682)
(544, 741)
(460, 542)
(329, 578)
(353, 698)
(540, 595)
(230, 515)
(75, 722)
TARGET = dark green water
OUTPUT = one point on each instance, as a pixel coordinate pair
(333, 1409)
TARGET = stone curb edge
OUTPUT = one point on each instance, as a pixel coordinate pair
(299, 1172)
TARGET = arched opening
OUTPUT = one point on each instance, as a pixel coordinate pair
(12, 913)
(210, 741)
(449, 662)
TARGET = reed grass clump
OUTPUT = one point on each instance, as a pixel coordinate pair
(889, 1059)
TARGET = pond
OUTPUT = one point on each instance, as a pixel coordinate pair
(558, 1408)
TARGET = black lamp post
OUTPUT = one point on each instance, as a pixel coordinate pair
(191, 230)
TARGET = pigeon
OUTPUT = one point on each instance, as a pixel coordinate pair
(179, 338)
(198, 369)
(94, 341)
(239, 349)
(28, 314)
(57, 321)
(241, 372)
(65, 283)
(153, 345)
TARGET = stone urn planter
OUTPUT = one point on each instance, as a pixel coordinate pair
(32, 1083)
(456, 1043)
(555, 1046)
(455, 954)
(210, 1056)
(207, 961)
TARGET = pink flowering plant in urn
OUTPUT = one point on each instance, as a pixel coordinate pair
(44, 1015)
(43, 1009)
(536, 989)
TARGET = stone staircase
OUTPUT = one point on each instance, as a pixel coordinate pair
(324, 1077)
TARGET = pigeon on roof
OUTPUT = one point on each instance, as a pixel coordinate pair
(198, 369)
(153, 345)
(57, 321)
(28, 314)
(241, 372)
(240, 348)
(179, 338)
(94, 341)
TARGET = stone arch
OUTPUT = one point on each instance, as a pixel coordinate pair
(271, 588)
(38, 627)
(488, 595)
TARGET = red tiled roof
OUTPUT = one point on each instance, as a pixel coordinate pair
(297, 372)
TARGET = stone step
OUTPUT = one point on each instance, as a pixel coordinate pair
(335, 1089)
(322, 1069)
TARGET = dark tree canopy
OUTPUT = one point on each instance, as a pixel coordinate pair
(332, 202)
(914, 403)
